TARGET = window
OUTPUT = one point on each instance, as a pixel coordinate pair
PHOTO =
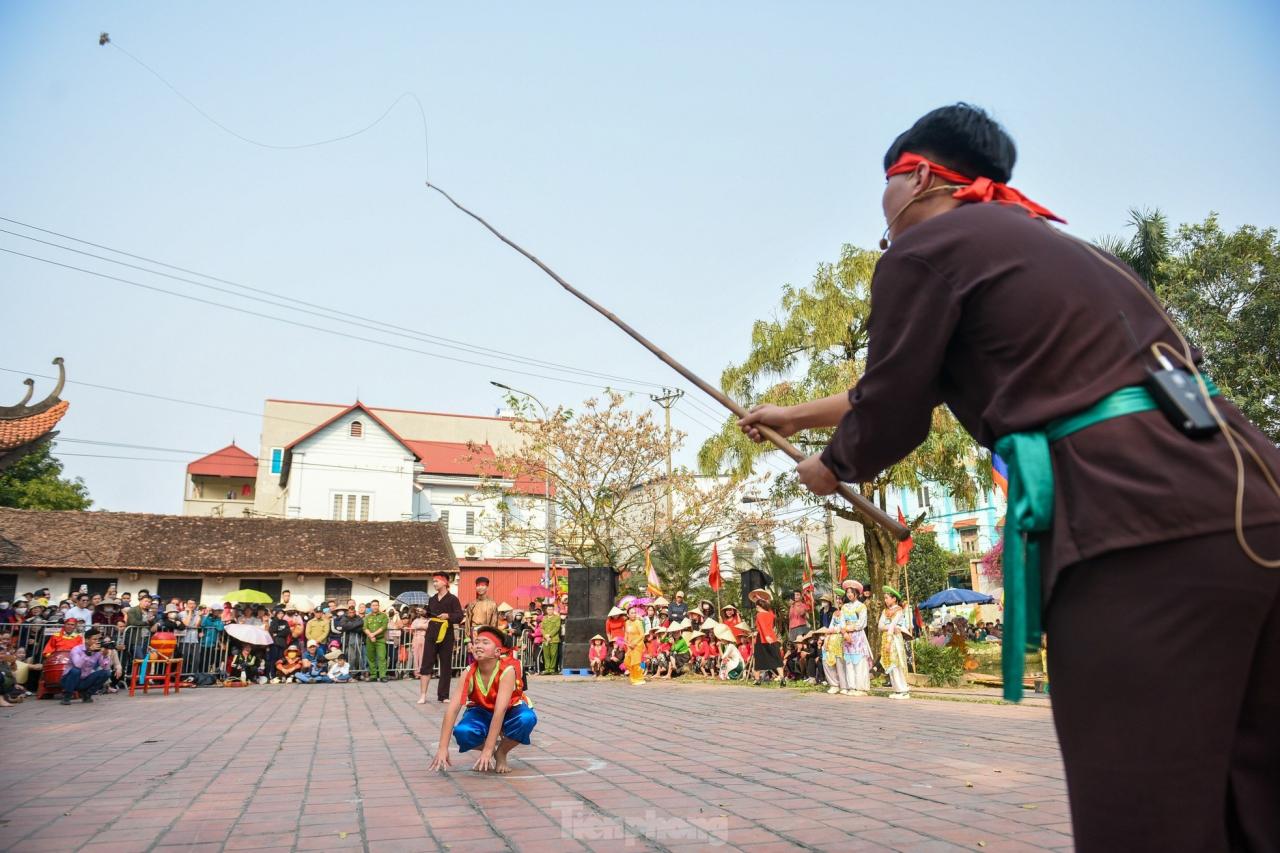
(398, 586)
(184, 588)
(471, 523)
(444, 518)
(357, 429)
(96, 586)
(922, 495)
(277, 459)
(969, 540)
(351, 507)
(8, 587)
(339, 589)
(271, 586)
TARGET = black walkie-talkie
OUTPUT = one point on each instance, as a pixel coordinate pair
(1178, 395)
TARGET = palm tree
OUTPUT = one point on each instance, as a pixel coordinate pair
(1147, 250)
(677, 559)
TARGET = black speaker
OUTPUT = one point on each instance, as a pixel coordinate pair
(577, 638)
(592, 591)
(753, 579)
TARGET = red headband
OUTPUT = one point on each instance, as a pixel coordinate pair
(973, 189)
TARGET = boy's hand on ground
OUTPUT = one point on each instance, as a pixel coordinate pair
(441, 761)
(485, 761)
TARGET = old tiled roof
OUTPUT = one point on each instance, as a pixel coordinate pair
(230, 461)
(174, 543)
(15, 433)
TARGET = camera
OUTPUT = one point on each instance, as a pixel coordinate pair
(107, 643)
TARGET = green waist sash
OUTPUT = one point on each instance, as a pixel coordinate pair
(1030, 512)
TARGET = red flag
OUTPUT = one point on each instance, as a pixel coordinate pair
(905, 546)
(844, 568)
(713, 579)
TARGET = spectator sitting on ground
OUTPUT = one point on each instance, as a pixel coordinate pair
(88, 669)
(340, 670)
(596, 654)
(9, 684)
(288, 667)
(315, 667)
(246, 665)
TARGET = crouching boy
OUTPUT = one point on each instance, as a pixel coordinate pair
(498, 716)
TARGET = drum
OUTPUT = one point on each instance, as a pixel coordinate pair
(165, 643)
(55, 664)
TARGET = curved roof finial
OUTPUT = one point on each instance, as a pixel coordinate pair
(22, 410)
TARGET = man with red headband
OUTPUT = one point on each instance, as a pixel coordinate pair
(444, 611)
(1056, 356)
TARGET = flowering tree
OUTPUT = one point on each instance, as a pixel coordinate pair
(607, 465)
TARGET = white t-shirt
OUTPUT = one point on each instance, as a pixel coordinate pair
(730, 657)
(83, 614)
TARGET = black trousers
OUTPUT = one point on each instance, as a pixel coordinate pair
(1164, 668)
(442, 651)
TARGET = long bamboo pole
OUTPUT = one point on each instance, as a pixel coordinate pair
(860, 503)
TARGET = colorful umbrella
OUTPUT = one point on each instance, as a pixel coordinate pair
(247, 596)
(532, 591)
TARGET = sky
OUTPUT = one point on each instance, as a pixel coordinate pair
(680, 162)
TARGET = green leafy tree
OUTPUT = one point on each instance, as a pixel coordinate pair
(815, 346)
(1223, 289)
(930, 566)
(35, 482)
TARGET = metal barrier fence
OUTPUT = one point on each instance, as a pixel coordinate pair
(208, 651)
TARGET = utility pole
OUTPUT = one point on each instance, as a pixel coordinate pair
(831, 556)
(666, 400)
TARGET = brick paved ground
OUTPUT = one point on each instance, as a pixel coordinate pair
(297, 767)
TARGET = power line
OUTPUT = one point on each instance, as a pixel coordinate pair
(299, 324)
(290, 303)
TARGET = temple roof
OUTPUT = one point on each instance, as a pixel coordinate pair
(24, 430)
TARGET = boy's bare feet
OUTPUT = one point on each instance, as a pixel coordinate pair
(500, 755)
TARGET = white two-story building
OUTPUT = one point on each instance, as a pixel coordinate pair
(362, 463)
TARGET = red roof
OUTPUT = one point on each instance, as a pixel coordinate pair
(453, 457)
(467, 460)
(15, 433)
(230, 461)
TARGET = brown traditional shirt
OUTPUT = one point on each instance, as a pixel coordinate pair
(482, 611)
(1011, 325)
